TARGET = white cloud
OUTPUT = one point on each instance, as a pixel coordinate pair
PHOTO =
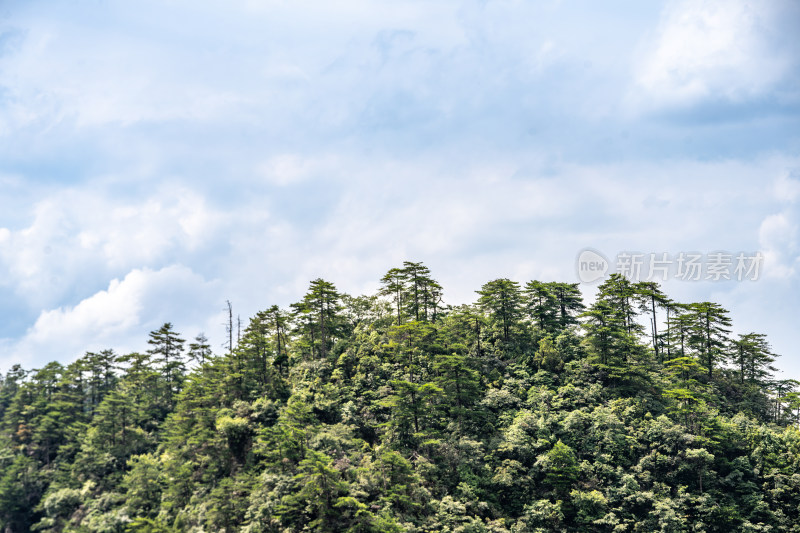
(787, 187)
(778, 237)
(779, 232)
(78, 235)
(159, 62)
(718, 50)
(474, 219)
(470, 219)
(118, 317)
(264, 144)
(289, 168)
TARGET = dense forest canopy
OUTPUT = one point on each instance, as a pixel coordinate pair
(525, 411)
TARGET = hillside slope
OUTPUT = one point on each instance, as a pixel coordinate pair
(525, 411)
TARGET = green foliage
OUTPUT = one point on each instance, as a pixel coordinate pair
(414, 294)
(392, 412)
(710, 322)
(560, 467)
(501, 300)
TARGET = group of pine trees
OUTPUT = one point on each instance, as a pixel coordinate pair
(525, 411)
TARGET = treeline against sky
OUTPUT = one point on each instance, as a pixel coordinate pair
(524, 411)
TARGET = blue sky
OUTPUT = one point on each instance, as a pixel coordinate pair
(159, 158)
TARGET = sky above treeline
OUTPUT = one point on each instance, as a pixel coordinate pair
(160, 158)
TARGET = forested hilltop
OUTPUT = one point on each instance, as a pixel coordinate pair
(525, 411)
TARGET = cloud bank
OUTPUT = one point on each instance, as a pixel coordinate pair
(157, 160)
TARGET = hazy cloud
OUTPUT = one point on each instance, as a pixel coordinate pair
(731, 52)
(158, 159)
(115, 317)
